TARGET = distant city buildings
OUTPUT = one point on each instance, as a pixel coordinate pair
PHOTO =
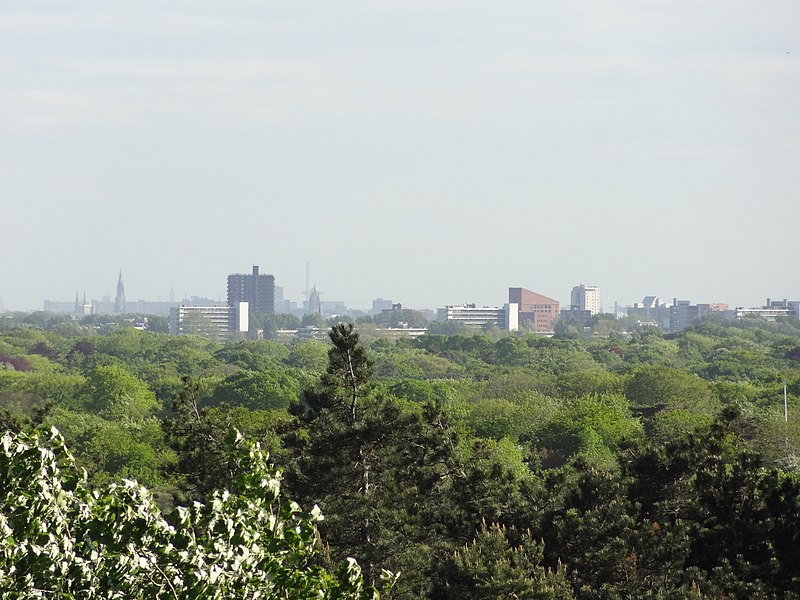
(716, 307)
(256, 289)
(525, 309)
(584, 304)
(333, 307)
(218, 322)
(77, 308)
(793, 306)
(650, 311)
(682, 313)
(577, 317)
(250, 293)
(379, 305)
(586, 297)
(475, 317)
(672, 317)
(119, 300)
(313, 306)
(535, 311)
(83, 309)
(771, 310)
(286, 307)
(119, 305)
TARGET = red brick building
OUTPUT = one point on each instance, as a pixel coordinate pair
(537, 311)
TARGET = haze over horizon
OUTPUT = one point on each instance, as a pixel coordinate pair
(429, 152)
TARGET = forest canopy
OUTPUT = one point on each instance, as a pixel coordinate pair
(472, 465)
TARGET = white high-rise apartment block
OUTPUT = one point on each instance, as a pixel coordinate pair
(585, 297)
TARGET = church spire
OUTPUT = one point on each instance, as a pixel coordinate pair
(119, 301)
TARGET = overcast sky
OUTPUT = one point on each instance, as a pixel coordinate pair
(431, 152)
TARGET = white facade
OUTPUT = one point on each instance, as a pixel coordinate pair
(474, 316)
(772, 310)
(792, 305)
(205, 320)
(512, 316)
(770, 314)
(586, 297)
(243, 317)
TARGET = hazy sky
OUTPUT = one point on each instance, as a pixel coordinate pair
(430, 151)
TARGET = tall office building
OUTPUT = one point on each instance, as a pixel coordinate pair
(257, 290)
(585, 297)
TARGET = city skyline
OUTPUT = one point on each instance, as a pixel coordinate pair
(564, 297)
(432, 152)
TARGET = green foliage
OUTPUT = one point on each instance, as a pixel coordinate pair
(394, 318)
(674, 425)
(581, 383)
(422, 392)
(494, 418)
(253, 355)
(157, 324)
(194, 323)
(271, 323)
(447, 328)
(114, 393)
(415, 364)
(655, 388)
(314, 320)
(349, 368)
(39, 389)
(309, 355)
(591, 425)
(485, 487)
(608, 549)
(778, 440)
(59, 538)
(141, 351)
(492, 567)
(262, 390)
(370, 461)
(114, 448)
(203, 441)
(413, 455)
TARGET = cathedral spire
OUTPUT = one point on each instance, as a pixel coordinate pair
(119, 301)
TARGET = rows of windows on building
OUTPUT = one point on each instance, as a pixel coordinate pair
(535, 312)
(255, 293)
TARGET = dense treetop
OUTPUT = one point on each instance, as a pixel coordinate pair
(630, 464)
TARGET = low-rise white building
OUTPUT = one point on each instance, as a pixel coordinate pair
(771, 310)
(476, 317)
(205, 320)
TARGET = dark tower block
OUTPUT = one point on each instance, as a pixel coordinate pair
(257, 289)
